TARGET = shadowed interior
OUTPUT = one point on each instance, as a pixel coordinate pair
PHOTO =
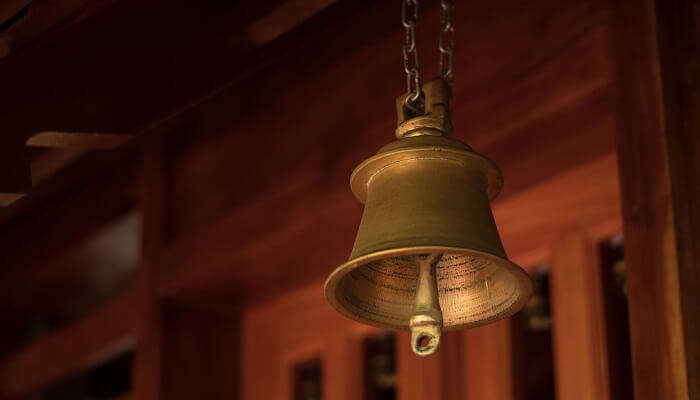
(383, 291)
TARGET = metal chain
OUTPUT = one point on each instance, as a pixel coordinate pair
(411, 65)
(413, 79)
(446, 43)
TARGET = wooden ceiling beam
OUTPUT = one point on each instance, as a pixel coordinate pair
(118, 71)
(39, 18)
(78, 140)
(282, 19)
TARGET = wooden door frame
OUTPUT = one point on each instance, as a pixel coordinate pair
(658, 140)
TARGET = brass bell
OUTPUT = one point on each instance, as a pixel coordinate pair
(428, 256)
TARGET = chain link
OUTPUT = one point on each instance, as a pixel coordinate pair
(411, 65)
(446, 43)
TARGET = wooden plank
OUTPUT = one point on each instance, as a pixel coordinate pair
(578, 324)
(658, 140)
(679, 47)
(108, 330)
(433, 377)
(488, 368)
(201, 351)
(43, 18)
(282, 19)
(343, 375)
(146, 50)
(7, 199)
(147, 368)
(453, 360)
(78, 140)
(10, 8)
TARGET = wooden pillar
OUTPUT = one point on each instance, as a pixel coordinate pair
(343, 375)
(200, 352)
(433, 377)
(658, 142)
(147, 368)
(488, 366)
(578, 324)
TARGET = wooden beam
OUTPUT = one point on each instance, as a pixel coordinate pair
(658, 141)
(72, 93)
(488, 369)
(10, 8)
(41, 18)
(201, 351)
(154, 195)
(343, 376)
(434, 377)
(282, 19)
(78, 140)
(106, 331)
(578, 323)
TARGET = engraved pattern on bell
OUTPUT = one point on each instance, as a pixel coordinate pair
(472, 289)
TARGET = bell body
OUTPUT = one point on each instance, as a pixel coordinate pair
(427, 195)
(426, 191)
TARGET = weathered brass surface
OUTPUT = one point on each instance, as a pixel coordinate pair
(427, 256)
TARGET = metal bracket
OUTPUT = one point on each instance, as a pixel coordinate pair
(436, 119)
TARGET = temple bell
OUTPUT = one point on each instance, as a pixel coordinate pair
(428, 256)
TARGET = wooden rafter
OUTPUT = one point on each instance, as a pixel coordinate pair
(658, 141)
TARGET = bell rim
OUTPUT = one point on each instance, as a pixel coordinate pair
(366, 170)
(335, 277)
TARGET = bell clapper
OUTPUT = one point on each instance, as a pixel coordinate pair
(426, 320)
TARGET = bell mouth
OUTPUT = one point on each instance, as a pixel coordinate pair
(474, 287)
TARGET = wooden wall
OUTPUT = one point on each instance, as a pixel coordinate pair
(245, 204)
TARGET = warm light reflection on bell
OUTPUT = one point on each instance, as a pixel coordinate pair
(427, 256)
